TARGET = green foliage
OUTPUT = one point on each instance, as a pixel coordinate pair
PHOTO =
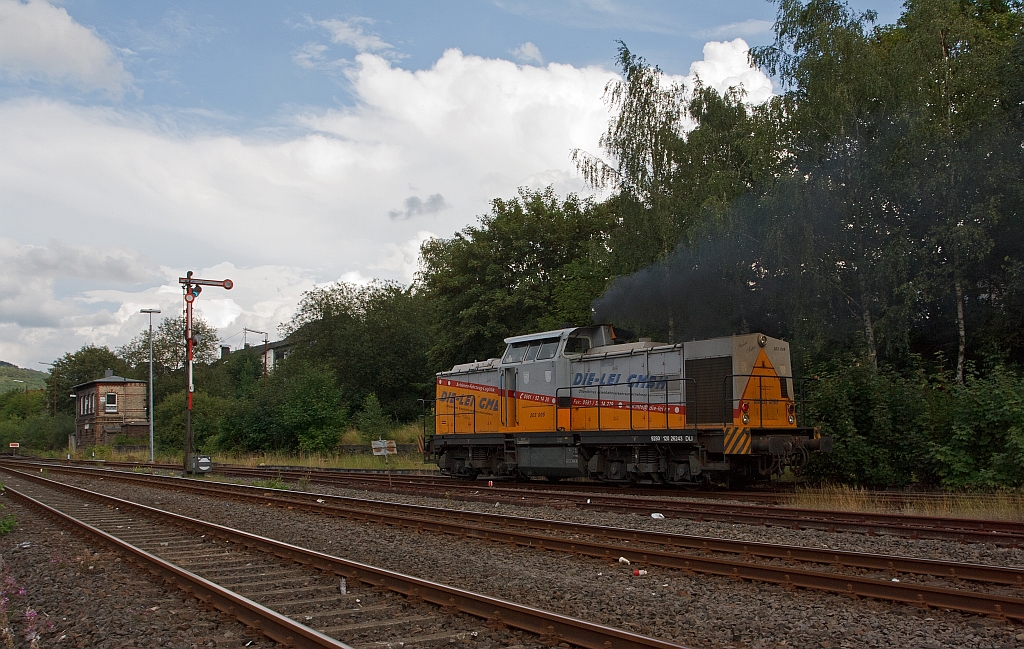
(7, 524)
(169, 346)
(373, 338)
(893, 430)
(533, 263)
(977, 428)
(38, 430)
(371, 420)
(82, 366)
(19, 405)
(873, 418)
(169, 420)
(271, 483)
(299, 407)
(33, 379)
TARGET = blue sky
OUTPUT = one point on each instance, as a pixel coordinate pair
(236, 58)
(289, 144)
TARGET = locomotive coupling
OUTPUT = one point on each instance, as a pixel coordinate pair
(823, 444)
(773, 445)
(779, 445)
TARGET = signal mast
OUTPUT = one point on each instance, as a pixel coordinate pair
(192, 287)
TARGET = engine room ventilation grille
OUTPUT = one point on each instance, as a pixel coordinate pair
(710, 380)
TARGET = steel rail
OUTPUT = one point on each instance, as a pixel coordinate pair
(981, 530)
(776, 496)
(962, 530)
(552, 627)
(416, 516)
(419, 516)
(272, 624)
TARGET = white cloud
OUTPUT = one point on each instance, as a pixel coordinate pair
(126, 201)
(402, 260)
(725, 65)
(527, 53)
(749, 27)
(39, 41)
(312, 57)
(29, 274)
(349, 32)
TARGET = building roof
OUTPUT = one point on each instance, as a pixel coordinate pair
(110, 377)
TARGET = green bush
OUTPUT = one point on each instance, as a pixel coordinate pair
(371, 420)
(299, 407)
(894, 429)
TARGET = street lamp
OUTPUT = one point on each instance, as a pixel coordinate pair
(26, 397)
(150, 312)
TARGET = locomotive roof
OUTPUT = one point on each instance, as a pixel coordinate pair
(556, 333)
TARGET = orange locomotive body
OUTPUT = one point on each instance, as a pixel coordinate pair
(581, 403)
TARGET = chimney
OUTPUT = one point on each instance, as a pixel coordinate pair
(224, 351)
(108, 373)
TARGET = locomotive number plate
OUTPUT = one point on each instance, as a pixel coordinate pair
(671, 438)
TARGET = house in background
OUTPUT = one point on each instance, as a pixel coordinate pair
(272, 353)
(108, 407)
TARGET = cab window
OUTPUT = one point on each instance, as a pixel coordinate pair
(515, 353)
(577, 345)
(548, 349)
(531, 353)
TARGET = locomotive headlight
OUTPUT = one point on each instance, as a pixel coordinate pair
(746, 418)
(792, 419)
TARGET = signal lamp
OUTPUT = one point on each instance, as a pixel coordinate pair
(791, 408)
(744, 406)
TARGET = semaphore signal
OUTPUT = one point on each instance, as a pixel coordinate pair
(192, 287)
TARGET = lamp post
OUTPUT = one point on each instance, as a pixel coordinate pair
(26, 396)
(150, 413)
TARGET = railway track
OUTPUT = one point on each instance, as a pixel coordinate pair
(774, 495)
(297, 596)
(963, 530)
(920, 582)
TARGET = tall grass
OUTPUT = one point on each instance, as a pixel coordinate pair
(996, 505)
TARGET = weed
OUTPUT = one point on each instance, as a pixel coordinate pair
(33, 626)
(996, 505)
(271, 483)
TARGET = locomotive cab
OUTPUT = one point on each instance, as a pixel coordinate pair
(583, 402)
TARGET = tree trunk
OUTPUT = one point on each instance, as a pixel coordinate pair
(961, 329)
(869, 329)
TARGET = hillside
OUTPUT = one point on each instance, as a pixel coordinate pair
(34, 379)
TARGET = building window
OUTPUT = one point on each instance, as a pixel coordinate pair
(111, 402)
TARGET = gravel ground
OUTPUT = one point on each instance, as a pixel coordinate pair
(85, 598)
(699, 611)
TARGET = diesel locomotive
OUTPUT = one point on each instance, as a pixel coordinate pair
(581, 402)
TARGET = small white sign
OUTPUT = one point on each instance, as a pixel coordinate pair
(384, 447)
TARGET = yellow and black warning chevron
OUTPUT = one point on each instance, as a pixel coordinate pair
(737, 440)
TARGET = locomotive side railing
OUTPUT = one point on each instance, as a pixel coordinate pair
(564, 400)
(449, 407)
